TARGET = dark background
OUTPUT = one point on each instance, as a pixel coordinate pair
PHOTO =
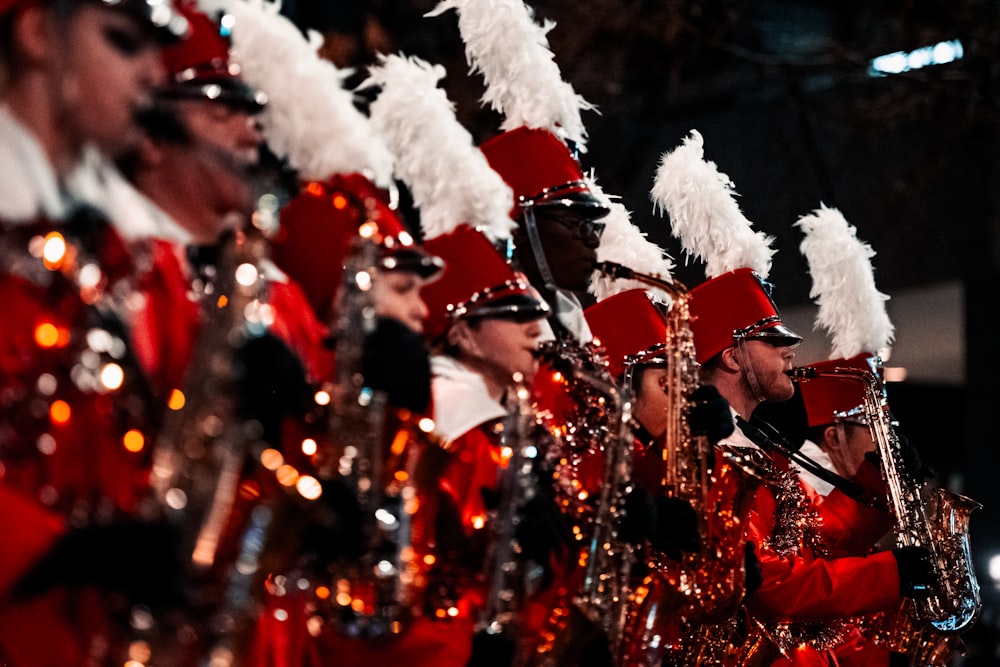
(781, 93)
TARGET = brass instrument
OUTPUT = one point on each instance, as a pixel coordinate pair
(506, 573)
(374, 592)
(936, 519)
(200, 456)
(705, 589)
(600, 603)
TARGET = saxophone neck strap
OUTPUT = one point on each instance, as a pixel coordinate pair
(766, 437)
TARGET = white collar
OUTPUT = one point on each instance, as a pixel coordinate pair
(461, 399)
(29, 187)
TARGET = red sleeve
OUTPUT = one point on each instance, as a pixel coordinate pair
(34, 528)
(801, 588)
(850, 528)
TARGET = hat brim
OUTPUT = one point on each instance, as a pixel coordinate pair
(229, 91)
(518, 307)
(776, 334)
(415, 261)
(574, 199)
(169, 25)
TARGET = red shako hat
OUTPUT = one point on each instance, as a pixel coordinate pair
(200, 67)
(317, 228)
(476, 282)
(732, 306)
(540, 169)
(829, 398)
(631, 329)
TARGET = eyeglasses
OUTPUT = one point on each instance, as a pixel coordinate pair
(585, 227)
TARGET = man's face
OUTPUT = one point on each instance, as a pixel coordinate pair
(769, 364)
(397, 295)
(569, 236)
(215, 161)
(107, 63)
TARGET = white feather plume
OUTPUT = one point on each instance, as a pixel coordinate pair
(704, 215)
(625, 244)
(310, 117)
(448, 176)
(523, 82)
(851, 309)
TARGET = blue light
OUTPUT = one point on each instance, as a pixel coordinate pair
(902, 61)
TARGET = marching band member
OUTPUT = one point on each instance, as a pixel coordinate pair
(77, 415)
(745, 351)
(843, 436)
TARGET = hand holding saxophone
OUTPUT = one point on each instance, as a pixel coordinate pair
(917, 577)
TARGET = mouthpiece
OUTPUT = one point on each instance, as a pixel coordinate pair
(614, 270)
(802, 373)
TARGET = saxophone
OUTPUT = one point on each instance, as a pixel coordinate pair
(600, 603)
(202, 451)
(373, 592)
(937, 520)
(706, 588)
(505, 570)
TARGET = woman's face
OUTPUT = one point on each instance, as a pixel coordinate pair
(499, 347)
(651, 402)
(106, 63)
(397, 294)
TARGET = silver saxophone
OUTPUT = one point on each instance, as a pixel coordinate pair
(373, 594)
(507, 575)
(601, 601)
(936, 519)
(200, 456)
(705, 588)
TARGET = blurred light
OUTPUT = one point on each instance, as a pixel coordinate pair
(46, 335)
(59, 412)
(176, 400)
(309, 447)
(367, 230)
(246, 274)
(322, 397)
(271, 458)
(89, 276)
(134, 441)
(902, 61)
(54, 249)
(287, 475)
(309, 487)
(112, 376)
(994, 570)
(894, 373)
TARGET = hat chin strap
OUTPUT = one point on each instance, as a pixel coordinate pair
(748, 371)
(537, 250)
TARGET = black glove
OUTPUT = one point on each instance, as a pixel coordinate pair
(676, 527)
(912, 463)
(489, 650)
(639, 522)
(396, 361)
(916, 571)
(272, 384)
(137, 559)
(709, 414)
(911, 460)
(540, 530)
(754, 576)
